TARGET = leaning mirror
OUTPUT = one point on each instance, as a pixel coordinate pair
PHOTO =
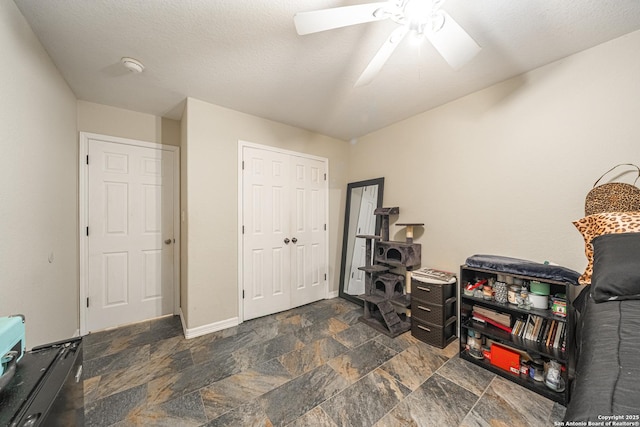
(363, 197)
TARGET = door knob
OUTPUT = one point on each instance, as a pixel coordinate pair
(286, 241)
(167, 242)
(294, 240)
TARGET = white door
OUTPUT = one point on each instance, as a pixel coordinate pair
(307, 230)
(130, 247)
(284, 237)
(366, 226)
(266, 257)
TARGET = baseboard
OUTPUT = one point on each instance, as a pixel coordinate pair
(332, 294)
(206, 329)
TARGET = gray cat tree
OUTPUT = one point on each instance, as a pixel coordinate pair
(387, 293)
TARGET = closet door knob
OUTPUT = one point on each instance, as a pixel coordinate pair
(294, 240)
(286, 241)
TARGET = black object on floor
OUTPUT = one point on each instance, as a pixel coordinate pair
(47, 388)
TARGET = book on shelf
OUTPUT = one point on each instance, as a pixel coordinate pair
(545, 334)
(543, 324)
(557, 343)
(529, 328)
(556, 335)
(534, 330)
(550, 333)
(523, 327)
(480, 317)
(536, 337)
(502, 318)
(517, 326)
(544, 330)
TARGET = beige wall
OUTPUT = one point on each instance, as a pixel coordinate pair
(38, 186)
(113, 121)
(212, 186)
(505, 170)
(184, 205)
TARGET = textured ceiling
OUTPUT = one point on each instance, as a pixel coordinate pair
(247, 56)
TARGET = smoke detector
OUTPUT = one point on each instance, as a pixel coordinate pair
(132, 64)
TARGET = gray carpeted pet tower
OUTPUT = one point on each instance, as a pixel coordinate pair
(387, 298)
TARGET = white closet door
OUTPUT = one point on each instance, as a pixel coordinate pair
(266, 256)
(284, 261)
(308, 230)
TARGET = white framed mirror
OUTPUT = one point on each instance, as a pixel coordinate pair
(363, 197)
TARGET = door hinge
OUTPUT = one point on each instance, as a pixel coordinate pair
(87, 231)
(243, 165)
(325, 227)
(87, 159)
(325, 176)
(87, 302)
(243, 229)
(243, 294)
(325, 276)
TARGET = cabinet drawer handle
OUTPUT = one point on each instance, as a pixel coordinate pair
(424, 289)
(424, 308)
(424, 329)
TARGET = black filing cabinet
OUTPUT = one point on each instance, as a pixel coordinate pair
(433, 312)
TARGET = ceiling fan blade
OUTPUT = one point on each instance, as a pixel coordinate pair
(452, 42)
(328, 19)
(382, 55)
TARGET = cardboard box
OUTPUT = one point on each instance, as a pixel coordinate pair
(523, 354)
(559, 307)
(505, 358)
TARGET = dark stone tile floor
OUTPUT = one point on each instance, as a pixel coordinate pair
(314, 365)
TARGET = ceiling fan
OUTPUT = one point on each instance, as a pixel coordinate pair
(422, 17)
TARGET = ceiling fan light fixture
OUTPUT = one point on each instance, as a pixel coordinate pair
(417, 10)
(422, 15)
(421, 18)
(417, 38)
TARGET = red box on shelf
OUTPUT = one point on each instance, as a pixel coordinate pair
(505, 358)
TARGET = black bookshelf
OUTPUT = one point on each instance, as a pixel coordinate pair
(535, 345)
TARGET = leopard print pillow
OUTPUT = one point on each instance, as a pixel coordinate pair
(595, 225)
